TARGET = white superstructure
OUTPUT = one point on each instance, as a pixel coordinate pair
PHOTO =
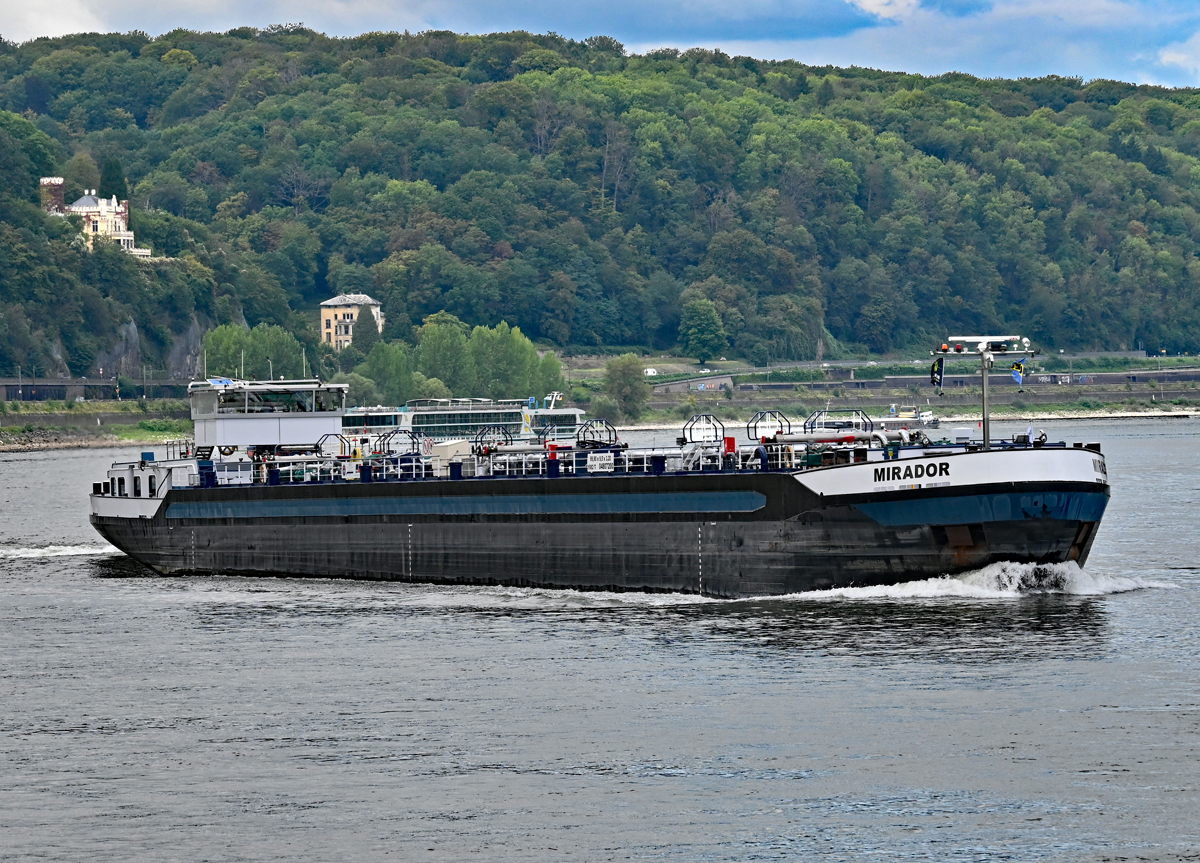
(232, 414)
(450, 419)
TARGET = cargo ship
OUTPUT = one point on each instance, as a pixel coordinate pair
(270, 486)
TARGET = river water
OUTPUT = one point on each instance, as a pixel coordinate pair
(148, 718)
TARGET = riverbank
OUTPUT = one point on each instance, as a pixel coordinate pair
(955, 419)
(36, 438)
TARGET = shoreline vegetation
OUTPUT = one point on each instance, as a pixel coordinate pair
(54, 430)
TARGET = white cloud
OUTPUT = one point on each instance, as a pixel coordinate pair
(20, 21)
(1185, 55)
(1015, 38)
(892, 10)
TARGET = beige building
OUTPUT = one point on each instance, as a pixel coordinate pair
(339, 315)
(102, 217)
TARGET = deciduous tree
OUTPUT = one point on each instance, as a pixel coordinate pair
(625, 382)
(700, 330)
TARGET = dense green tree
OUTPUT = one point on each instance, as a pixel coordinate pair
(112, 180)
(234, 351)
(81, 174)
(505, 362)
(700, 330)
(429, 388)
(388, 365)
(625, 382)
(442, 353)
(825, 93)
(366, 332)
(547, 376)
(603, 406)
(363, 391)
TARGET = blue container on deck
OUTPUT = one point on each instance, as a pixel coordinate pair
(272, 476)
(365, 474)
(553, 468)
(147, 456)
(456, 470)
(208, 474)
(658, 464)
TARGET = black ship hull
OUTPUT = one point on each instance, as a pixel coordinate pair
(717, 534)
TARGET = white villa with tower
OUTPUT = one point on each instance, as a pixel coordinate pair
(102, 217)
(338, 316)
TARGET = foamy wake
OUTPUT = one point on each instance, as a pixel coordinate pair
(998, 581)
(21, 553)
(535, 598)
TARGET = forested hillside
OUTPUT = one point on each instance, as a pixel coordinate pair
(585, 196)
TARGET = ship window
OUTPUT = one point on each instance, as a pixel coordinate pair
(204, 404)
(232, 403)
(370, 420)
(137, 486)
(151, 485)
(120, 486)
(272, 403)
(329, 400)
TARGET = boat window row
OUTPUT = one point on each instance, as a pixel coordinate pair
(267, 402)
(248, 401)
(474, 419)
(118, 488)
(370, 420)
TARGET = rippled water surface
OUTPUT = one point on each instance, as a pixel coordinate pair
(1003, 715)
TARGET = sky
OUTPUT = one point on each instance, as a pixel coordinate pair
(1144, 42)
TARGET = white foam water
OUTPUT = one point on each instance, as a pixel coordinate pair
(437, 597)
(547, 598)
(998, 581)
(26, 553)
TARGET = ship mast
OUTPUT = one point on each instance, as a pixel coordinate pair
(986, 347)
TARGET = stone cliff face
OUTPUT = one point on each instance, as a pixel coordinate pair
(184, 360)
(125, 357)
